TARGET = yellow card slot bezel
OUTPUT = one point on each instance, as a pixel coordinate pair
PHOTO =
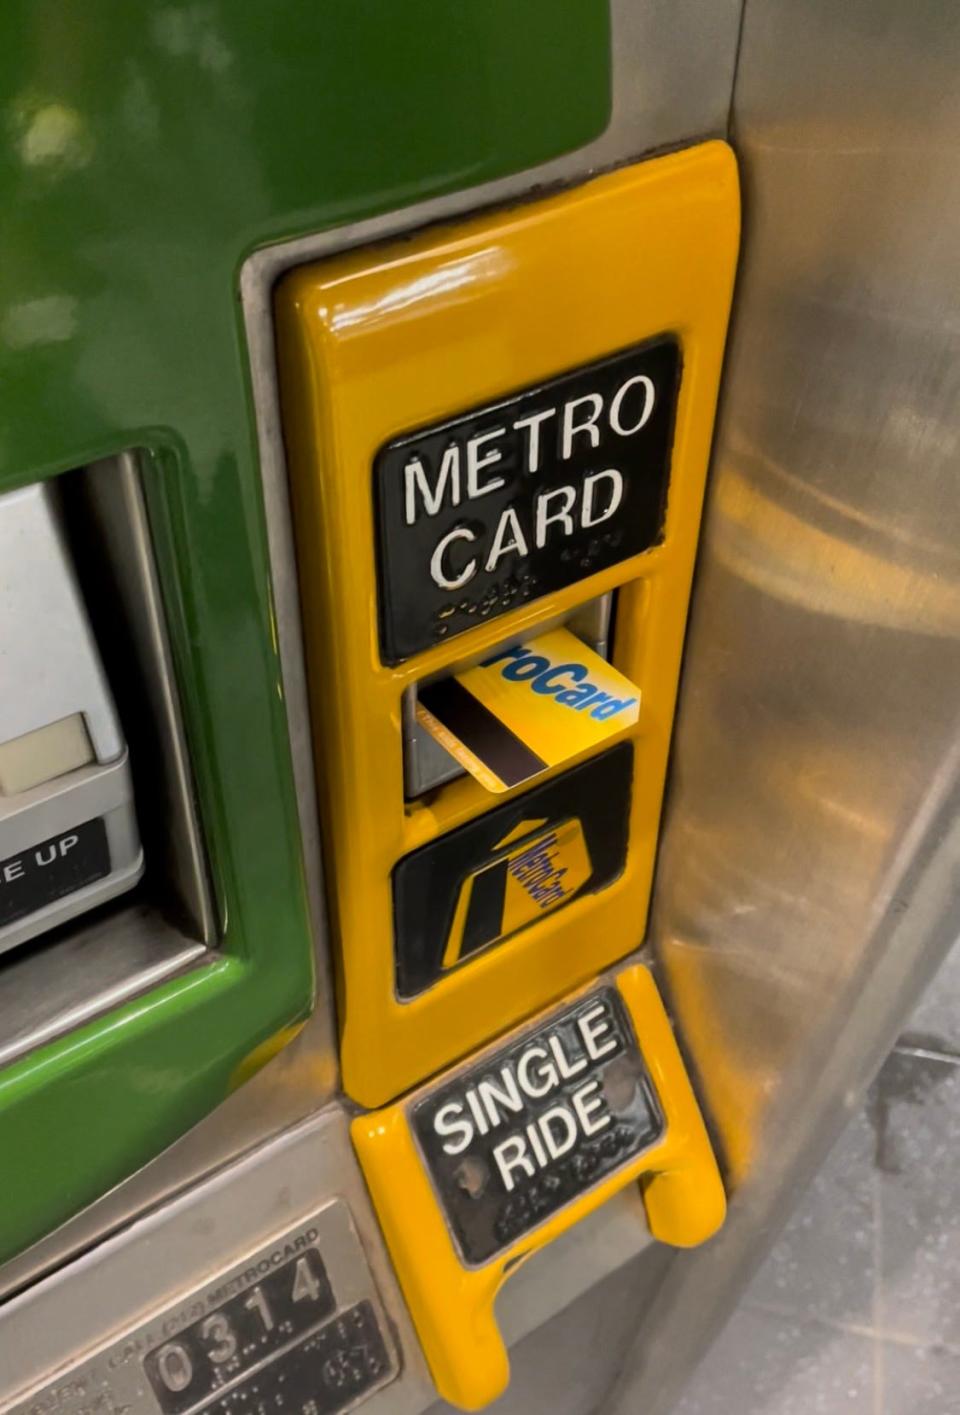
(553, 285)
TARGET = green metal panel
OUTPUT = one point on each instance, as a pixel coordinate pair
(145, 150)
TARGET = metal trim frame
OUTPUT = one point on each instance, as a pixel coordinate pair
(118, 957)
(167, 1257)
(113, 497)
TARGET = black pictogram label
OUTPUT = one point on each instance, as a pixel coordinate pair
(40, 875)
(478, 886)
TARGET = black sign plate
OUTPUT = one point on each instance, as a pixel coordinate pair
(481, 884)
(328, 1372)
(510, 1141)
(58, 866)
(325, 1373)
(240, 1333)
(517, 499)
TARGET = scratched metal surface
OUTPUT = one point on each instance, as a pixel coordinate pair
(807, 879)
(856, 1309)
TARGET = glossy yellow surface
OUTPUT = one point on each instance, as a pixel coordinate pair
(382, 340)
(453, 1306)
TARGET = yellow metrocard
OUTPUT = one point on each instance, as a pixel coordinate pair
(530, 707)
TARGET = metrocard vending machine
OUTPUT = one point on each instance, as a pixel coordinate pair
(394, 981)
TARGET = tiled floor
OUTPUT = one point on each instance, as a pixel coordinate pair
(857, 1309)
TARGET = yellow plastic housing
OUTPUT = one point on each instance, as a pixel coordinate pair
(379, 341)
(452, 1305)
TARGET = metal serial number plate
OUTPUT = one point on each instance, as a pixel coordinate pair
(295, 1329)
(241, 1333)
(519, 498)
(513, 1139)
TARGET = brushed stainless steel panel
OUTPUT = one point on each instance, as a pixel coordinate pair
(150, 1365)
(807, 880)
(169, 1257)
(74, 1340)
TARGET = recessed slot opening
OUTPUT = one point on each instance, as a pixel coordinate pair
(109, 945)
(427, 765)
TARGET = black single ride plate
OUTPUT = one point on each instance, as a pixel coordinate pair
(509, 1141)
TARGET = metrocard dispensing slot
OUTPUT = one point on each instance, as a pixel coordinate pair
(68, 832)
(491, 425)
